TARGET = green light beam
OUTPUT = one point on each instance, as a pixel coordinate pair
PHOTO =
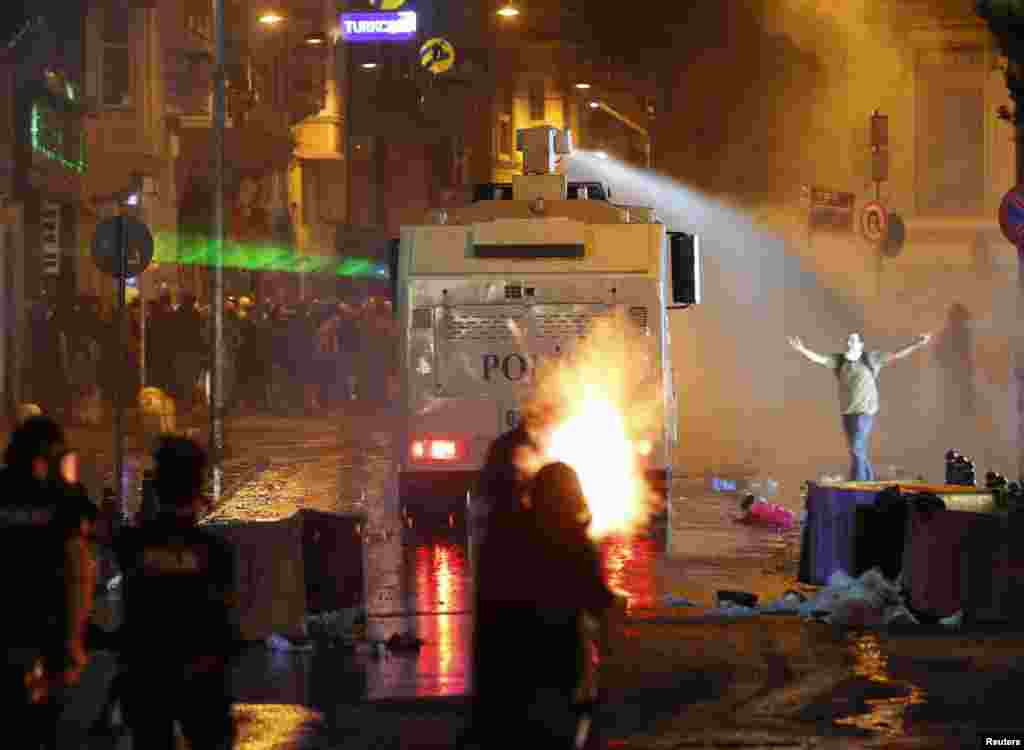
(197, 250)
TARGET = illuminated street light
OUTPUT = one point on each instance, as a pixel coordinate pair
(315, 40)
(583, 86)
(271, 19)
(595, 105)
(368, 65)
(509, 11)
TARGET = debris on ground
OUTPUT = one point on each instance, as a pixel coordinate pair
(759, 512)
(734, 610)
(280, 643)
(340, 625)
(869, 601)
(861, 602)
(679, 601)
(953, 621)
(736, 598)
(788, 603)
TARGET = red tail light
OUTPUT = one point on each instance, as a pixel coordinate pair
(437, 450)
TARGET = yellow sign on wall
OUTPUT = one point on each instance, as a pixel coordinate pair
(437, 55)
(391, 4)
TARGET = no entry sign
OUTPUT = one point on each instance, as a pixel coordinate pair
(1011, 216)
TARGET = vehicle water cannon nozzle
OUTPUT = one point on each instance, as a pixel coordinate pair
(541, 148)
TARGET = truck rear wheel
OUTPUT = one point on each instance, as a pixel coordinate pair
(435, 500)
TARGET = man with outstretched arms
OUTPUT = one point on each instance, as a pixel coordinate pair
(857, 371)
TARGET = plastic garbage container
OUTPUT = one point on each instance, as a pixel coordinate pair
(830, 531)
(931, 573)
(880, 534)
(992, 569)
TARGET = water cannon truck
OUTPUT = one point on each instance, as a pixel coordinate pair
(533, 262)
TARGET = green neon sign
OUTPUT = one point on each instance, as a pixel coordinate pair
(49, 141)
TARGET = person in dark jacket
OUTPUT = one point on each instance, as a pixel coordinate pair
(161, 345)
(178, 637)
(51, 581)
(187, 331)
(538, 575)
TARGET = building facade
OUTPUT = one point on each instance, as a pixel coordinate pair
(45, 157)
(329, 146)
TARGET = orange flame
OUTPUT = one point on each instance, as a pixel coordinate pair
(600, 410)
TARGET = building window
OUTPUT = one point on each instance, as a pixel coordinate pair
(950, 156)
(506, 138)
(536, 95)
(116, 58)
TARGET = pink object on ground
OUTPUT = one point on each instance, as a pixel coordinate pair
(769, 514)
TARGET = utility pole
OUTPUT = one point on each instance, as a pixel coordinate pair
(216, 441)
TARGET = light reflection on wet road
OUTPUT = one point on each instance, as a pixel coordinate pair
(419, 582)
(438, 603)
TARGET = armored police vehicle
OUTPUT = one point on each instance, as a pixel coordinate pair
(484, 291)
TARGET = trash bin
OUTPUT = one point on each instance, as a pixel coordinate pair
(880, 535)
(830, 531)
(332, 552)
(992, 569)
(932, 569)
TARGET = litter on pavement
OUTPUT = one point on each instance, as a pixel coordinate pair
(276, 642)
(869, 601)
(342, 624)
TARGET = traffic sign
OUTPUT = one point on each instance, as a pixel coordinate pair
(122, 232)
(437, 55)
(874, 222)
(1011, 216)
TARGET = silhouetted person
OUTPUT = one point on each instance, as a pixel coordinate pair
(187, 329)
(50, 582)
(178, 637)
(503, 482)
(857, 372)
(954, 353)
(539, 575)
(162, 344)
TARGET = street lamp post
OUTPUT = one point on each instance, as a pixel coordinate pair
(216, 441)
(281, 99)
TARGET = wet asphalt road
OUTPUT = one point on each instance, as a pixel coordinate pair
(674, 682)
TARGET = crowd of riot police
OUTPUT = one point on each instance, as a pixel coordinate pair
(176, 638)
(276, 358)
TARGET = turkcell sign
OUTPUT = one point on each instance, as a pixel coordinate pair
(399, 26)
